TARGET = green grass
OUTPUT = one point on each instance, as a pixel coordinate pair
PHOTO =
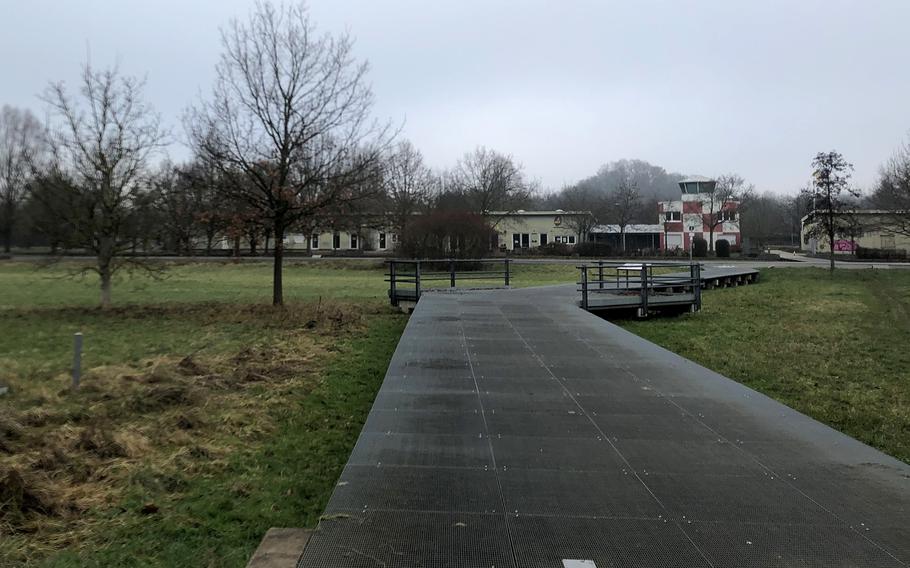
(835, 348)
(218, 520)
(267, 453)
(24, 284)
(259, 452)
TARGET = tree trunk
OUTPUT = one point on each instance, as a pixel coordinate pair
(105, 256)
(106, 288)
(711, 239)
(278, 255)
(831, 250)
(9, 214)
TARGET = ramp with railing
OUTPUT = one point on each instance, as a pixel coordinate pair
(408, 279)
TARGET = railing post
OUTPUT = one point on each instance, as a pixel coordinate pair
(697, 286)
(644, 290)
(584, 286)
(452, 273)
(417, 281)
(393, 294)
(507, 271)
(600, 274)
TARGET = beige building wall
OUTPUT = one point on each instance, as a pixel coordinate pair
(875, 235)
(532, 229)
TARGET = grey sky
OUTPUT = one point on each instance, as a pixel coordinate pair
(697, 87)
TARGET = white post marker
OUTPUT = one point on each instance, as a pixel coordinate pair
(571, 563)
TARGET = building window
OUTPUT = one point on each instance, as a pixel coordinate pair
(314, 241)
(543, 239)
(525, 240)
(673, 216)
(727, 216)
(887, 241)
(353, 241)
(571, 239)
(382, 241)
(336, 241)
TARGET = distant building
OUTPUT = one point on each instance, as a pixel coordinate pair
(517, 230)
(690, 216)
(637, 237)
(514, 231)
(866, 228)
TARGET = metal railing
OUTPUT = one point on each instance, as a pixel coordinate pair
(610, 284)
(408, 279)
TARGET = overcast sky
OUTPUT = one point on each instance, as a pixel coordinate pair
(699, 87)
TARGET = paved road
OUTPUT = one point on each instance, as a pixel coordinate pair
(515, 430)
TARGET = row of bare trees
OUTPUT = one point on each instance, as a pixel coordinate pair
(286, 141)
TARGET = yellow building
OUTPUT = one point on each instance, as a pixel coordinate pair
(518, 230)
(870, 229)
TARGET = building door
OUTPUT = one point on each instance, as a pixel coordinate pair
(543, 239)
(525, 240)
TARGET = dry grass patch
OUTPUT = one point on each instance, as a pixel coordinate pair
(155, 422)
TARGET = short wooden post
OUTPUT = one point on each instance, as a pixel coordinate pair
(451, 273)
(507, 276)
(417, 281)
(697, 270)
(584, 286)
(600, 274)
(644, 290)
(393, 295)
(77, 360)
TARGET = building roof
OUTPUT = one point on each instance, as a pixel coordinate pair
(634, 228)
(860, 212)
(521, 212)
(693, 179)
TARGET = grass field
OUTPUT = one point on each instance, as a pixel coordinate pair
(206, 416)
(835, 348)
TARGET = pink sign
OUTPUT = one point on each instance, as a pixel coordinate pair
(842, 245)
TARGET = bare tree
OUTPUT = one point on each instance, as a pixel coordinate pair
(893, 190)
(21, 140)
(720, 202)
(408, 182)
(583, 205)
(623, 205)
(490, 181)
(289, 122)
(830, 194)
(102, 141)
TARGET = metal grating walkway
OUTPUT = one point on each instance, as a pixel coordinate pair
(515, 430)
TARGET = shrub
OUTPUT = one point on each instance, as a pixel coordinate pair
(880, 254)
(722, 248)
(447, 234)
(590, 249)
(699, 247)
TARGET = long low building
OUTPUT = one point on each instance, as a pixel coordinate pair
(862, 228)
(634, 237)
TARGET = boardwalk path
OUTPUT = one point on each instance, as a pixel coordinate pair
(514, 429)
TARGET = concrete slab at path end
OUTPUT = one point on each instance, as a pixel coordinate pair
(515, 430)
